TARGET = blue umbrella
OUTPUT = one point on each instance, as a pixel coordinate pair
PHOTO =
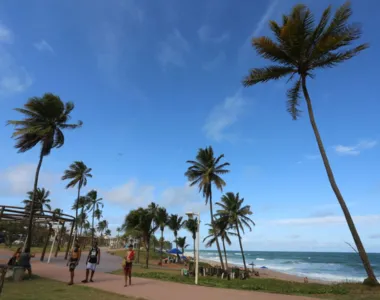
(174, 251)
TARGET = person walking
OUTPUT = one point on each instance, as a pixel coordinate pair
(93, 259)
(73, 261)
(127, 265)
(24, 261)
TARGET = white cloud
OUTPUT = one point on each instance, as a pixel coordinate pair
(312, 157)
(355, 149)
(326, 220)
(205, 35)
(43, 46)
(19, 179)
(216, 62)
(259, 27)
(177, 198)
(374, 236)
(6, 35)
(13, 77)
(173, 50)
(224, 116)
(130, 193)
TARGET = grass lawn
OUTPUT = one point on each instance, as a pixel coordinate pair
(45, 289)
(321, 291)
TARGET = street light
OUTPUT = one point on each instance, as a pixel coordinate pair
(196, 258)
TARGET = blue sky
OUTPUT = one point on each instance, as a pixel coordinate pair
(155, 80)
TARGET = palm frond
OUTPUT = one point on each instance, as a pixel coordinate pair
(294, 96)
(266, 74)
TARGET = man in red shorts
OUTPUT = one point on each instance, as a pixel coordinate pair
(128, 259)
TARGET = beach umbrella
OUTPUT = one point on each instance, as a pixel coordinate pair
(174, 251)
(252, 264)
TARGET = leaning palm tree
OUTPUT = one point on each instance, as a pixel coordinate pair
(299, 49)
(181, 242)
(205, 171)
(77, 173)
(192, 226)
(233, 212)
(175, 224)
(93, 205)
(45, 118)
(81, 204)
(41, 201)
(161, 219)
(221, 227)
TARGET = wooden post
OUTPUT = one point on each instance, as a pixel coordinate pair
(59, 239)
(46, 243)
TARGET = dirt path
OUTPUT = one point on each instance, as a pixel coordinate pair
(153, 289)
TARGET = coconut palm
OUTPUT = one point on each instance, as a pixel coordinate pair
(141, 220)
(77, 173)
(233, 213)
(93, 205)
(102, 227)
(300, 48)
(45, 118)
(161, 219)
(192, 226)
(205, 172)
(41, 201)
(81, 204)
(175, 224)
(221, 226)
(58, 211)
(181, 242)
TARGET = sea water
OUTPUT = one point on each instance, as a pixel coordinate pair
(318, 265)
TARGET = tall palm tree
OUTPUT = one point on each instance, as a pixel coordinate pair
(93, 205)
(192, 226)
(45, 118)
(175, 224)
(142, 221)
(205, 171)
(299, 49)
(221, 227)
(77, 173)
(161, 219)
(233, 212)
(41, 201)
(181, 242)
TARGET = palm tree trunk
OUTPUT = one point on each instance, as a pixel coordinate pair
(371, 280)
(147, 253)
(81, 221)
(225, 253)
(30, 227)
(241, 246)
(161, 244)
(92, 229)
(138, 250)
(214, 229)
(76, 214)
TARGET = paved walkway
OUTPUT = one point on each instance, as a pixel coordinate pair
(152, 289)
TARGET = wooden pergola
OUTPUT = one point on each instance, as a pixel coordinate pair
(20, 214)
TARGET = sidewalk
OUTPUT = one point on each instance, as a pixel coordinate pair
(152, 289)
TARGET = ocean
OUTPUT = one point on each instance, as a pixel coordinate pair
(317, 265)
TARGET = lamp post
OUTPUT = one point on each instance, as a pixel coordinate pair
(196, 258)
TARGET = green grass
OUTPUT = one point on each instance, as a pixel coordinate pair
(333, 292)
(45, 289)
